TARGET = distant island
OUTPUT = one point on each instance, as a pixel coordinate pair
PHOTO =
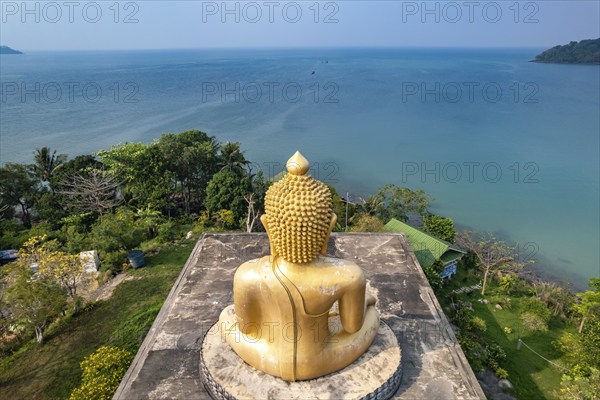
(8, 50)
(584, 52)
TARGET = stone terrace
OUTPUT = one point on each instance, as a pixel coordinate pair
(433, 364)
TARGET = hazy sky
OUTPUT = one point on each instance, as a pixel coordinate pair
(76, 25)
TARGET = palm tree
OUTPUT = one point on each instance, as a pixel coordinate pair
(46, 162)
(232, 157)
(370, 206)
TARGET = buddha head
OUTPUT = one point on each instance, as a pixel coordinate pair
(298, 214)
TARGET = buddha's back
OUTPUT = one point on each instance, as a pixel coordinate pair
(281, 315)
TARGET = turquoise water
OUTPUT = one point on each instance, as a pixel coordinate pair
(504, 145)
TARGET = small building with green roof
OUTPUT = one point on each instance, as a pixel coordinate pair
(428, 248)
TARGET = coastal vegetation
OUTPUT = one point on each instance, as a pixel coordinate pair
(583, 52)
(539, 335)
(8, 50)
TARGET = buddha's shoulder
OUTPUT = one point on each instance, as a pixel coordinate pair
(338, 262)
(254, 266)
(342, 270)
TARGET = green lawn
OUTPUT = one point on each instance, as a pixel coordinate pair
(51, 371)
(531, 376)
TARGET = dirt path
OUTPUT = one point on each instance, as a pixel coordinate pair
(105, 291)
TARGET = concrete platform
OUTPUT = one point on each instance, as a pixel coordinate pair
(433, 364)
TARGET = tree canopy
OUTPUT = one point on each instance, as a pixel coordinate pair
(583, 52)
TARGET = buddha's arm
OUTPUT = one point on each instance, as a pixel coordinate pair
(246, 309)
(352, 306)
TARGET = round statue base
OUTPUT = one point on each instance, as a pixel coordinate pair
(374, 375)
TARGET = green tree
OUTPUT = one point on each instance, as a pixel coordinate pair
(581, 387)
(33, 300)
(226, 191)
(590, 341)
(392, 201)
(232, 157)
(494, 256)
(79, 165)
(370, 206)
(191, 159)
(50, 207)
(143, 171)
(439, 227)
(589, 306)
(118, 230)
(18, 187)
(582, 352)
(46, 162)
(150, 219)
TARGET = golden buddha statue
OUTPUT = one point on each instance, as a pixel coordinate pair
(298, 314)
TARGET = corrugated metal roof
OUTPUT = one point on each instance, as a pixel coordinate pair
(427, 248)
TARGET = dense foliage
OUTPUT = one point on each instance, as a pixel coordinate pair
(439, 227)
(35, 302)
(583, 349)
(583, 52)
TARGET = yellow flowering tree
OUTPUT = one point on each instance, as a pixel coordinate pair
(102, 372)
(33, 250)
(62, 268)
(65, 269)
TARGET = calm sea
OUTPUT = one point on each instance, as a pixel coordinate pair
(504, 145)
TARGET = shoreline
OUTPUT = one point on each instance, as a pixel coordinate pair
(535, 271)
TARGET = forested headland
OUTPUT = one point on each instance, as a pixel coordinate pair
(583, 52)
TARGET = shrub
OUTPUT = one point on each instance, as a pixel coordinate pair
(113, 261)
(473, 350)
(204, 220)
(535, 306)
(463, 316)
(534, 322)
(495, 355)
(102, 373)
(508, 282)
(435, 280)
(501, 373)
(151, 246)
(117, 231)
(367, 223)
(580, 386)
(226, 219)
(167, 232)
(12, 234)
(479, 324)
